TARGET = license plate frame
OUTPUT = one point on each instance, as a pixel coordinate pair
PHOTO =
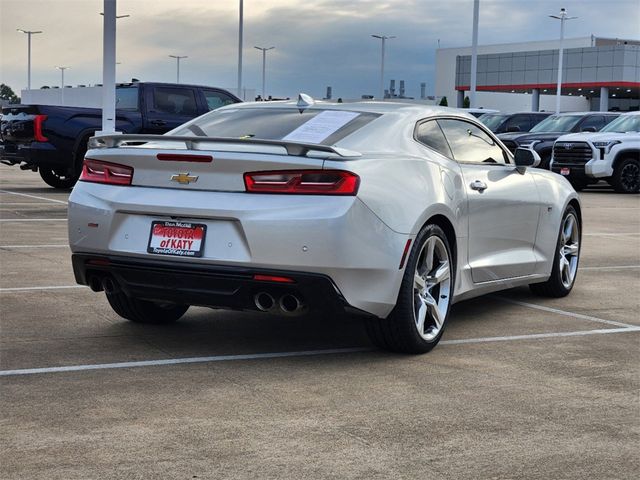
(173, 237)
(565, 171)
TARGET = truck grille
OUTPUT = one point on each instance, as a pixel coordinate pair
(571, 153)
(511, 145)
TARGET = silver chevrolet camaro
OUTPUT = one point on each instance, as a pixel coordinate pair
(393, 211)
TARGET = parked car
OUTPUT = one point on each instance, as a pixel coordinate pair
(478, 112)
(53, 139)
(394, 211)
(541, 137)
(513, 122)
(612, 154)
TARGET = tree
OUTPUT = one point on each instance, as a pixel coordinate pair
(466, 103)
(7, 94)
(443, 102)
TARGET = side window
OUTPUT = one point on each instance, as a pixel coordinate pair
(470, 144)
(217, 99)
(180, 101)
(520, 121)
(595, 121)
(430, 134)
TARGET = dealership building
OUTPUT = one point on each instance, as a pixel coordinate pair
(598, 74)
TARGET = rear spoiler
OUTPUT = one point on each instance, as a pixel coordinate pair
(199, 143)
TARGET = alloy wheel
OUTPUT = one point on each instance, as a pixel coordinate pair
(630, 177)
(569, 250)
(431, 288)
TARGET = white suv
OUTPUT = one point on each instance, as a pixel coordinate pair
(612, 154)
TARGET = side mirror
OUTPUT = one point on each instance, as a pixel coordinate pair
(513, 128)
(525, 157)
(589, 129)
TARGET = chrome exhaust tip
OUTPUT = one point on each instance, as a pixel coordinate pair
(108, 285)
(264, 301)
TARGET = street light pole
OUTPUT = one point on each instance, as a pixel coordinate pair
(474, 54)
(240, 33)
(62, 69)
(178, 58)
(29, 33)
(562, 17)
(264, 61)
(384, 38)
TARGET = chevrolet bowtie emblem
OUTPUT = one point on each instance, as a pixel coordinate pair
(184, 178)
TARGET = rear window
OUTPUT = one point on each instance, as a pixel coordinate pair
(323, 127)
(127, 98)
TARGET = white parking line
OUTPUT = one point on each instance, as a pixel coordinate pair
(612, 267)
(33, 196)
(28, 204)
(27, 289)
(35, 246)
(8, 220)
(604, 234)
(304, 353)
(579, 316)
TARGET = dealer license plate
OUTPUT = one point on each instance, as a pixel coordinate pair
(565, 171)
(182, 239)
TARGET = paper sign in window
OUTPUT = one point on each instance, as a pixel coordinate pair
(321, 126)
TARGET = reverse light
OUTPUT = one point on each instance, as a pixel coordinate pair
(38, 121)
(97, 171)
(303, 182)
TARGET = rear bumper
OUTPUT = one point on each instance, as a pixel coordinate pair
(204, 285)
(33, 154)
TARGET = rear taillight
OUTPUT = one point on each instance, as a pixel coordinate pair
(38, 121)
(103, 172)
(303, 182)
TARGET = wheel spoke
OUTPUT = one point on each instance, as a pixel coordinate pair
(568, 227)
(421, 316)
(428, 256)
(442, 272)
(419, 283)
(571, 249)
(434, 311)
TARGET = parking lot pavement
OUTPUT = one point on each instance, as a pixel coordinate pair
(520, 386)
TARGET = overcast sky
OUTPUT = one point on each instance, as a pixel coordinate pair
(317, 42)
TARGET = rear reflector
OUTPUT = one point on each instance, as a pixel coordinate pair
(38, 120)
(97, 171)
(273, 278)
(404, 254)
(303, 182)
(178, 157)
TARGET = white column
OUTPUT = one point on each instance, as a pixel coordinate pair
(109, 68)
(604, 99)
(535, 100)
(240, 33)
(560, 54)
(460, 98)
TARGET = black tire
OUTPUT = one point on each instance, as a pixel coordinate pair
(578, 185)
(398, 332)
(144, 311)
(626, 176)
(554, 286)
(58, 177)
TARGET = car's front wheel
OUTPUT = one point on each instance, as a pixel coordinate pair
(417, 322)
(566, 258)
(145, 311)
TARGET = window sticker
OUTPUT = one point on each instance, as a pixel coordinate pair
(321, 126)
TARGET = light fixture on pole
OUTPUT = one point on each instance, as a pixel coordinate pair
(178, 58)
(62, 69)
(562, 17)
(29, 33)
(240, 33)
(264, 61)
(384, 38)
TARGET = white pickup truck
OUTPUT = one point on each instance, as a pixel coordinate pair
(612, 154)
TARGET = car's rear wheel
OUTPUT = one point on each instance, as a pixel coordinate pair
(566, 259)
(144, 311)
(626, 176)
(58, 177)
(418, 320)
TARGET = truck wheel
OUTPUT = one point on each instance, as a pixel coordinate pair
(626, 176)
(58, 177)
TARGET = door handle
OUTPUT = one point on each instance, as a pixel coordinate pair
(478, 185)
(158, 123)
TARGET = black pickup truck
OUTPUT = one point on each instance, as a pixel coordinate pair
(53, 139)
